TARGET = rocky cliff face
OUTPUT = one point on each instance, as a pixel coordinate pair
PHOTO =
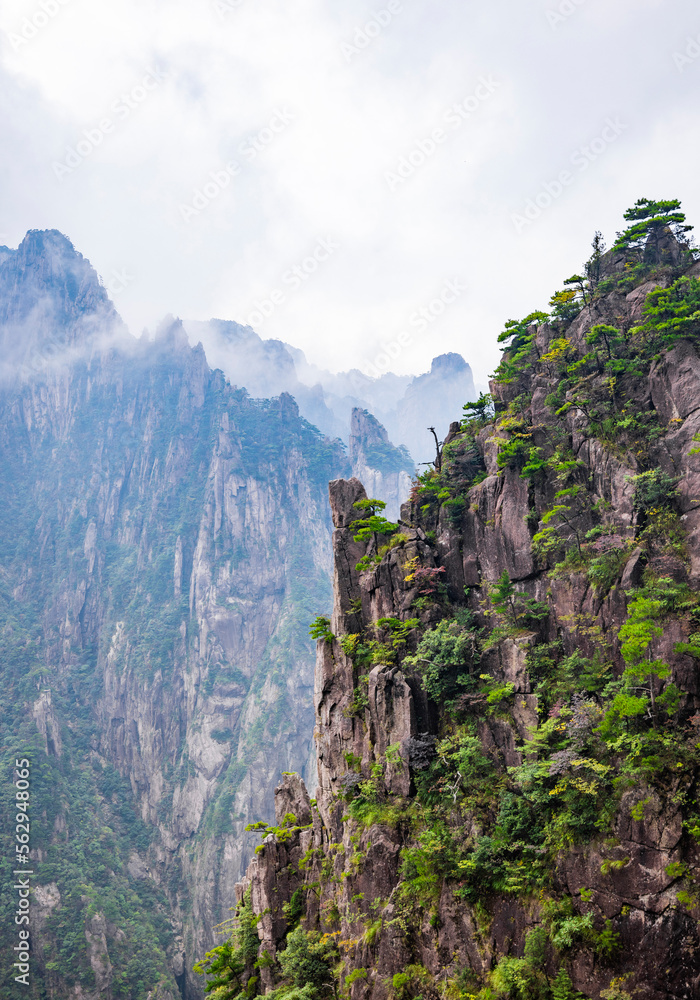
(507, 699)
(165, 544)
(406, 405)
(385, 470)
(51, 303)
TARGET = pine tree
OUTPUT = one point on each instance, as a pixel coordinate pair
(592, 267)
(563, 988)
(373, 523)
(650, 221)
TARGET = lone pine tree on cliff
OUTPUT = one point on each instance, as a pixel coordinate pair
(650, 221)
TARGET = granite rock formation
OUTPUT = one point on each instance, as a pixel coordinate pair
(507, 699)
(165, 543)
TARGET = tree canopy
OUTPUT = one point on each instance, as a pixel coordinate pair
(650, 220)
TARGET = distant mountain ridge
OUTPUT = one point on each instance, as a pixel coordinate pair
(64, 306)
(406, 405)
(164, 547)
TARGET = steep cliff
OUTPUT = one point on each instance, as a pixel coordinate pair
(164, 544)
(385, 470)
(507, 697)
(405, 405)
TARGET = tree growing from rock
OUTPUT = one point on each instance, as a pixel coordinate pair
(650, 221)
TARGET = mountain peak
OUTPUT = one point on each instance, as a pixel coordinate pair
(50, 297)
(38, 241)
(449, 364)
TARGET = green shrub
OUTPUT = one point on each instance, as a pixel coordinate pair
(228, 967)
(563, 988)
(671, 313)
(605, 570)
(294, 909)
(516, 979)
(307, 962)
(373, 525)
(410, 984)
(321, 629)
(447, 656)
(355, 975)
(653, 490)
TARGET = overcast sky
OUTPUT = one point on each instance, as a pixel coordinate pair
(301, 165)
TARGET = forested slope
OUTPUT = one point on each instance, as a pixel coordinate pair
(507, 693)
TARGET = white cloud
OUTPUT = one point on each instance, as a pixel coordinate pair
(323, 175)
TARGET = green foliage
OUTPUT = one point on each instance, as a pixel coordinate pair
(355, 975)
(615, 990)
(605, 570)
(478, 413)
(461, 468)
(556, 678)
(321, 629)
(671, 314)
(642, 626)
(564, 522)
(535, 465)
(607, 941)
(410, 984)
(610, 336)
(517, 979)
(360, 697)
(565, 305)
(593, 266)
(229, 966)
(282, 833)
(294, 909)
(370, 506)
(460, 772)
(518, 608)
(518, 336)
(650, 220)
(654, 490)
(372, 932)
(563, 988)
(447, 656)
(513, 451)
(371, 527)
(307, 963)
(400, 630)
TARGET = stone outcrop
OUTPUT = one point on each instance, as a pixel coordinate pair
(384, 470)
(627, 882)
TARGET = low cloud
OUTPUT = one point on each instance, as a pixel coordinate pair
(228, 67)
